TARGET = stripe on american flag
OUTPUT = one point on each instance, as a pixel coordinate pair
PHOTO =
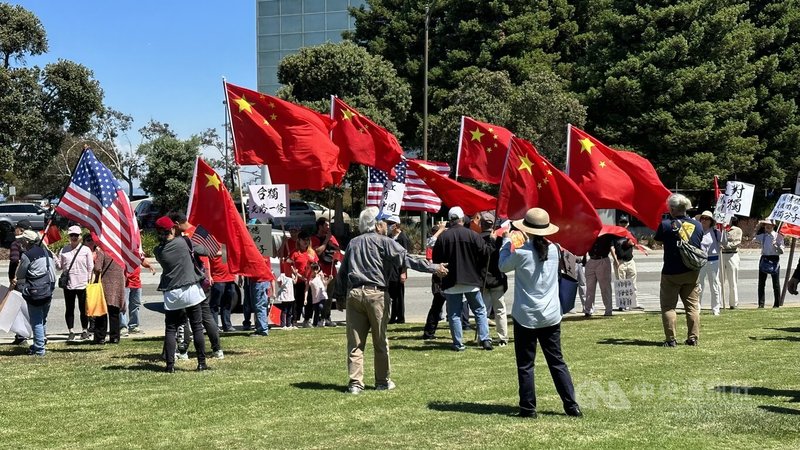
(95, 199)
(417, 197)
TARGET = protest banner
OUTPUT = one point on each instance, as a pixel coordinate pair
(787, 209)
(14, 316)
(392, 199)
(625, 293)
(262, 236)
(738, 198)
(268, 200)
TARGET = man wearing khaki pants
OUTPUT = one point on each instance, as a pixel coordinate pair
(362, 281)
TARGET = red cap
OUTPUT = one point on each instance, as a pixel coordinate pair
(164, 223)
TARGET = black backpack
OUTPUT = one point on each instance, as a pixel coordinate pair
(37, 290)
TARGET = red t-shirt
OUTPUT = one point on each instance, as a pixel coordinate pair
(328, 268)
(219, 270)
(289, 247)
(134, 279)
(302, 261)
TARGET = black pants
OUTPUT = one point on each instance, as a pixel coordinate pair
(397, 292)
(69, 297)
(209, 323)
(437, 305)
(108, 324)
(776, 284)
(525, 350)
(222, 299)
(299, 299)
(172, 320)
(287, 313)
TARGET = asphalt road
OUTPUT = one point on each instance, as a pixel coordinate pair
(418, 295)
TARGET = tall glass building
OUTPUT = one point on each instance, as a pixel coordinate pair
(285, 26)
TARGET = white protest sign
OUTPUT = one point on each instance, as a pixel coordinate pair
(787, 209)
(720, 215)
(262, 236)
(738, 198)
(14, 316)
(625, 293)
(392, 198)
(268, 200)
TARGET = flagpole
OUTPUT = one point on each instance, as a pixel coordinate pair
(460, 141)
(64, 192)
(566, 166)
(233, 138)
(191, 190)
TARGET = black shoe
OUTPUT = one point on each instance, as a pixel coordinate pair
(99, 342)
(428, 337)
(18, 340)
(673, 343)
(574, 412)
(691, 341)
(201, 367)
(170, 369)
(487, 344)
(259, 333)
(527, 414)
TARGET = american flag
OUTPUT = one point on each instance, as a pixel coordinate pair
(418, 197)
(202, 237)
(95, 199)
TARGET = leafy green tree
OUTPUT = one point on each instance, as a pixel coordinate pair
(673, 81)
(519, 37)
(40, 106)
(170, 164)
(366, 82)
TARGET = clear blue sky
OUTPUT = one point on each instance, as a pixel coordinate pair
(156, 59)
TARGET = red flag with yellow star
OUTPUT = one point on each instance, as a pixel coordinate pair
(211, 206)
(530, 181)
(362, 141)
(452, 192)
(616, 179)
(482, 149)
(292, 140)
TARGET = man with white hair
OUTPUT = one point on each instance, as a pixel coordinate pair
(676, 278)
(466, 254)
(362, 280)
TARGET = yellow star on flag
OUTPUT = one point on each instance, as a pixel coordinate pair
(602, 164)
(546, 180)
(266, 122)
(347, 114)
(539, 185)
(549, 172)
(271, 104)
(525, 164)
(213, 180)
(586, 145)
(244, 105)
(273, 116)
(477, 135)
(488, 149)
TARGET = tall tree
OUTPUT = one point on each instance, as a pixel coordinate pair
(170, 164)
(673, 81)
(40, 106)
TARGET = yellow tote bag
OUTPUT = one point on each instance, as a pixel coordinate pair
(95, 299)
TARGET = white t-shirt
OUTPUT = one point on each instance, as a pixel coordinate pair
(318, 292)
(285, 289)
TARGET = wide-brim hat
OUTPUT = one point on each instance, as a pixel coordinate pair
(28, 235)
(766, 222)
(74, 230)
(536, 222)
(708, 214)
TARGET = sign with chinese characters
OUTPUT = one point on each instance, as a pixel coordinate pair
(267, 201)
(738, 199)
(392, 198)
(262, 236)
(720, 215)
(787, 209)
(625, 293)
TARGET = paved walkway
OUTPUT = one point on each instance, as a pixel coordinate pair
(418, 294)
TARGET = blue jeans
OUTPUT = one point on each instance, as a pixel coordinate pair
(475, 302)
(258, 297)
(38, 316)
(134, 296)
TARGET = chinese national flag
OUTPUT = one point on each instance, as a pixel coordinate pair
(616, 179)
(452, 192)
(211, 206)
(362, 141)
(790, 230)
(531, 181)
(292, 140)
(622, 232)
(482, 150)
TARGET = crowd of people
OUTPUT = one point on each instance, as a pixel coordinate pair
(468, 260)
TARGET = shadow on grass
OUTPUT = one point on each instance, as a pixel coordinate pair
(16, 350)
(142, 366)
(481, 408)
(787, 329)
(636, 342)
(76, 348)
(317, 386)
(776, 338)
(425, 346)
(763, 391)
(780, 410)
(157, 356)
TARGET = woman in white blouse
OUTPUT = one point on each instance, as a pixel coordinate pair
(769, 264)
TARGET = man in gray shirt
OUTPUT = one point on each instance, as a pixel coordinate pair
(362, 280)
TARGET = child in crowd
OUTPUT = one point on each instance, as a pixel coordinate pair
(284, 298)
(318, 292)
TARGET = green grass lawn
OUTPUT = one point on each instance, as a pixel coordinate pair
(739, 389)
